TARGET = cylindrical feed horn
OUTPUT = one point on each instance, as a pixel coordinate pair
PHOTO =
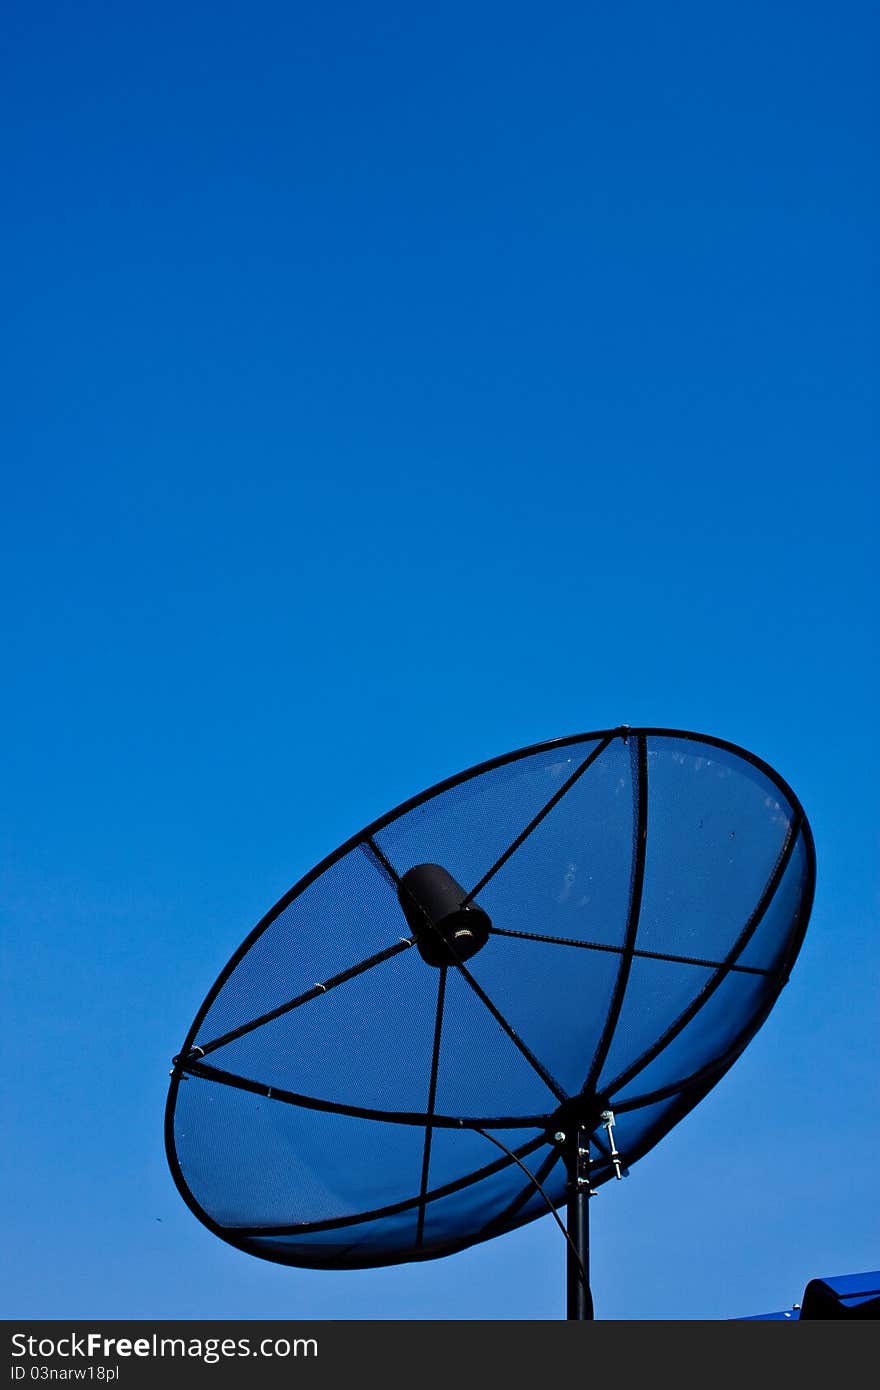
(445, 932)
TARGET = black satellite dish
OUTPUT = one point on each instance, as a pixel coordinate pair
(560, 951)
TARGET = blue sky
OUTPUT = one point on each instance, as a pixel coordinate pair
(387, 387)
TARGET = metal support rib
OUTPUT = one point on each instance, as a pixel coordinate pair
(314, 993)
(432, 1096)
(279, 1094)
(742, 941)
(545, 811)
(618, 950)
(381, 862)
(639, 755)
(511, 1032)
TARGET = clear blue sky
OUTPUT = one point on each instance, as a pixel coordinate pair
(386, 387)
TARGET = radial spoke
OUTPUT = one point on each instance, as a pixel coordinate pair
(432, 1096)
(640, 776)
(526, 1051)
(709, 988)
(314, 993)
(545, 811)
(205, 1072)
(380, 862)
(682, 1087)
(617, 950)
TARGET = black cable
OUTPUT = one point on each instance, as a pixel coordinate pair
(582, 1273)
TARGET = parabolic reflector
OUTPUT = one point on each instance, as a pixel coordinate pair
(599, 923)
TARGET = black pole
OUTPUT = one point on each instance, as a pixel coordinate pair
(577, 1162)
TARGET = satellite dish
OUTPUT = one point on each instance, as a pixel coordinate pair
(491, 1001)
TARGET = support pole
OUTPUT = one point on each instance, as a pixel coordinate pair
(577, 1162)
